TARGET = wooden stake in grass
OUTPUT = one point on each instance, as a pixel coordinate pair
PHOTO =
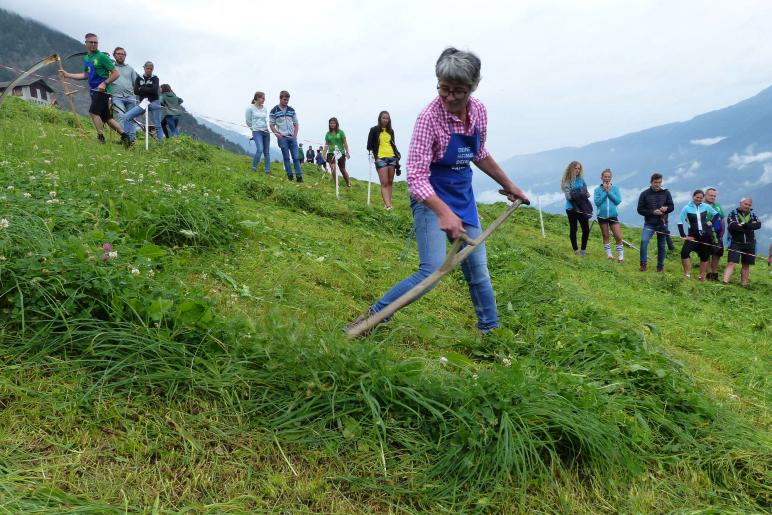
(454, 257)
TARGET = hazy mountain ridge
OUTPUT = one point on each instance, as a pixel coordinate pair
(729, 148)
(242, 140)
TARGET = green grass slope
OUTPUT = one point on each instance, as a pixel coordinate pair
(171, 341)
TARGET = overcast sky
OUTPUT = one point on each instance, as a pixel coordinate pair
(555, 73)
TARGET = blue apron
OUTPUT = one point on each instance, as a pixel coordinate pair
(451, 176)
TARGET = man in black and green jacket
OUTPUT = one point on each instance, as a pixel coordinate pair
(742, 223)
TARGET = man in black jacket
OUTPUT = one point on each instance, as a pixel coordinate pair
(654, 204)
(742, 223)
(147, 88)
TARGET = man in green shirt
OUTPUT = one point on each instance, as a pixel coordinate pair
(100, 72)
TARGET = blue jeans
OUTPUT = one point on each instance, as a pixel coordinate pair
(155, 114)
(263, 143)
(125, 104)
(432, 248)
(289, 149)
(648, 232)
(172, 121)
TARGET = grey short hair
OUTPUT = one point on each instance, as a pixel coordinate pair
(744, 199)
(458, 66)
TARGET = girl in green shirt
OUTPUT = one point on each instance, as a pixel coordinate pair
(335, 144)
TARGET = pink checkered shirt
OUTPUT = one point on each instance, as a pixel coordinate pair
(431, 137)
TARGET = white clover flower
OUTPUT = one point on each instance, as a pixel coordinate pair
(151, 272)
(52, 194)
(32, 177)
(135, 271)
(187, 233)
(444, 361)
(506, 362)
(4, 223)
(9, 188)
(27, 195)
(206, 194)
(112, 254)
(46, 161)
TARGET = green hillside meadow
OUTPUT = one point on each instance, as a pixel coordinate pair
(200, 365)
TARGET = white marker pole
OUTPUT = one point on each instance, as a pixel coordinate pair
(337, 173)
(541, 218)
(145, 104)
(369, 179)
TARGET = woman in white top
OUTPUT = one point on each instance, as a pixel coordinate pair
(257, 121)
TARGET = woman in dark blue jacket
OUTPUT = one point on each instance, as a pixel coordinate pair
(607, 197)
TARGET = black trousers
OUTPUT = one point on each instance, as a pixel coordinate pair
(575, 217)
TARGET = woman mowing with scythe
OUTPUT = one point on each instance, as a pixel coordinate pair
(449, 135)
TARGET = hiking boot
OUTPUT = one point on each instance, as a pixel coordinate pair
(643, 267)
(299, 179)
(101, 139)
(289, 177)
(660, 269)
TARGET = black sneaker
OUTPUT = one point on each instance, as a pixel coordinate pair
(289, 177)
(101, 139)
(300, 179)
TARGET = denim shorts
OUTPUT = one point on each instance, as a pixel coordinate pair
(384, 162)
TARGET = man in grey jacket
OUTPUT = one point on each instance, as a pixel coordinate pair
(123, 89)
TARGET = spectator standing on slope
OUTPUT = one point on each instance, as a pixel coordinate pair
(335, 144)
(147, 87)
(654, 203)
(383, 148)
(301, 153)
(699, 234)
(256, 117)
(100, 73)
(320, 161)
(310, 154)
(718, 224)
(449, 135)
(607, 197)
(283, 121)
(742, 223)
(578, 208)
(123, 95)
(172, 105)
